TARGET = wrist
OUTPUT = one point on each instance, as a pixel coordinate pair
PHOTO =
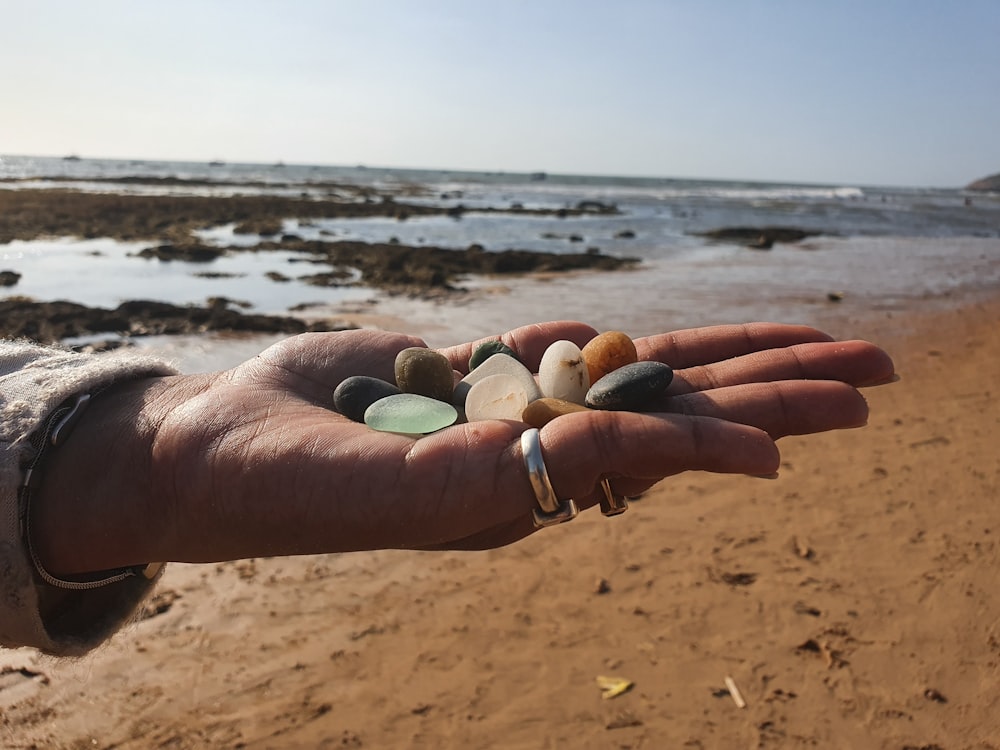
(97, 505)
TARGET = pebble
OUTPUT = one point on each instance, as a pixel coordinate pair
(496, 397)
(425, 372)
(355, 394)
(630, 387)
(539, 413)
(410, 414)
(498, 364)
(486, 350)
(563, 372)
(607, 352)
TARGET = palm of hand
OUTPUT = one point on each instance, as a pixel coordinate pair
(261, 457)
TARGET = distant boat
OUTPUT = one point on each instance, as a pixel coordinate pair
(538, 176)
(71, 157)
(217, 164)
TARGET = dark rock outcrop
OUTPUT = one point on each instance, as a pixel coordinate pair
(429, 270)
(49, 322)
(759, 237)
(9, 278)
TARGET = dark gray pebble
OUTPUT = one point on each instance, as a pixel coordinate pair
(631, 387)
(355, 394)
(486, 350)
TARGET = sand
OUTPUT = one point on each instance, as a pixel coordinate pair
(854, 601)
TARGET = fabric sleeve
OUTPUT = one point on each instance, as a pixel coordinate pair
(34, 381)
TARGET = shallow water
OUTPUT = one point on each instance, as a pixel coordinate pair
(873, 277)
(106, 272)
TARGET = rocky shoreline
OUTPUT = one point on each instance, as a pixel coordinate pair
(31, 214)
(170, 224)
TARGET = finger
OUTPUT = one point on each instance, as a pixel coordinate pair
(796, 407)
(314, 364)
(856, 362)
(635, 450)
(530, 342)
(583, 447)
(700, 346)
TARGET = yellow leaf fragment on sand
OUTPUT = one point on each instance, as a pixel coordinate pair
(612, 687)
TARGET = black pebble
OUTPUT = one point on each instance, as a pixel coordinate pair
(631, 387)
(358, 392)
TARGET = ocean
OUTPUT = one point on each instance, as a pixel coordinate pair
(878, 248)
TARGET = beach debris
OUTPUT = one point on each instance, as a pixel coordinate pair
(802, 548)
(612, 687)
(9, 278)
(734, 691)
(835, 296)
(602, 586)
(934, 695)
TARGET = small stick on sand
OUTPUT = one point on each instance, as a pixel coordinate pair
(735, 692)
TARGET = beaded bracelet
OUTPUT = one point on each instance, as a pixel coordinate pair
(57, 429)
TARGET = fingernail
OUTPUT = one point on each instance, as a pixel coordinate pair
(773, 475)
(894, 378)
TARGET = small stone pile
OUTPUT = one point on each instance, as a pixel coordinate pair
(605, 374)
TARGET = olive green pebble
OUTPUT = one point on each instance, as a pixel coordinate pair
(486, 350)
(425, 372)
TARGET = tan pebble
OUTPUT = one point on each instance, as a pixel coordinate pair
(608, 352)
(542, 411)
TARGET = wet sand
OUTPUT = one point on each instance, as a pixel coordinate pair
(853, 601)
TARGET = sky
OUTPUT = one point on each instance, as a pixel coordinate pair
(878, 92)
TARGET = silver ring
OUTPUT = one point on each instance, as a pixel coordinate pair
(612, 505)
(550, 510)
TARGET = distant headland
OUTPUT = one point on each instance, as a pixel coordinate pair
(989, 184)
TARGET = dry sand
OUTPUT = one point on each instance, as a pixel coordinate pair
(855, 602)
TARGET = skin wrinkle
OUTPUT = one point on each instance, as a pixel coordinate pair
(352, 513)
(436, 496)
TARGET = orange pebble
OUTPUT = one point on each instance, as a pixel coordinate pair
(543, 410)
(607, 352)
